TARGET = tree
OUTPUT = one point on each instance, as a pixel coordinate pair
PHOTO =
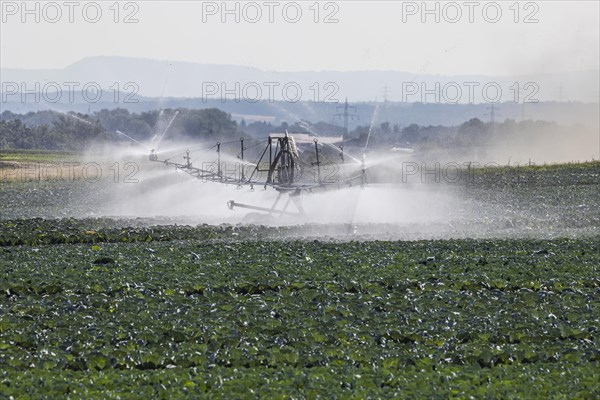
(410, 134)
(472, 132)
(78, 129)
(209, 124)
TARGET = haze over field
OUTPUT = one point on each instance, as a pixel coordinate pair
(172, 79)
(399, 42)
(299, 199)
(485, 38)
(427, 82)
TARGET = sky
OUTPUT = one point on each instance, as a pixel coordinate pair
(446, 38)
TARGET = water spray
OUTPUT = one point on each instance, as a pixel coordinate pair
(162, 135)
(132, 139)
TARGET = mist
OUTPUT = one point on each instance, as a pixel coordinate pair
(404, 194)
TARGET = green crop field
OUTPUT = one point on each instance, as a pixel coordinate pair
(39, 156)
(126, 308)
(501, 318)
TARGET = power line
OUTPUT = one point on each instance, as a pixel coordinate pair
(386, 91)
(348, 112)
(493, 114)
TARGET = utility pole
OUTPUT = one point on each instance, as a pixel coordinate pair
(560, 93)
(386, 91)
(492, 114)
(348, 112)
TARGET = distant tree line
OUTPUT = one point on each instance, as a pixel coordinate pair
(64, 133)
(471, 133)
(74, 131)
(52, 130)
